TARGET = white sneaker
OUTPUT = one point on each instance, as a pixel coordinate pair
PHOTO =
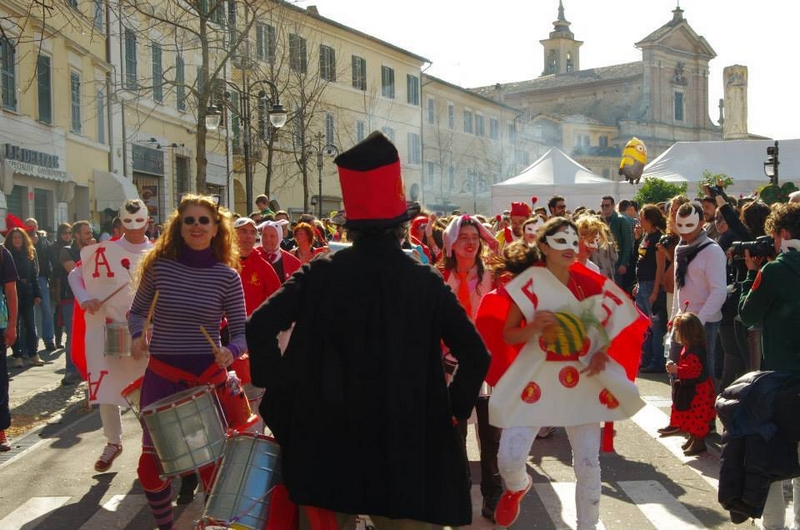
(18, 363)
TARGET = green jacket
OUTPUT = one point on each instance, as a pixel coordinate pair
(774, 300)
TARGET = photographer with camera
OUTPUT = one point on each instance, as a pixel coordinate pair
(733, 335)
(771, 296)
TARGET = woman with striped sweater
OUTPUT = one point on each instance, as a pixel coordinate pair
(190, 279)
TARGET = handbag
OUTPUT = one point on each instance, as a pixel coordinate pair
(683, 394)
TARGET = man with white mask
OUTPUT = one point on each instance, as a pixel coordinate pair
(700, 278)
(102, 285)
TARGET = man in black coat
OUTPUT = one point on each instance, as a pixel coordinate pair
(358, 401)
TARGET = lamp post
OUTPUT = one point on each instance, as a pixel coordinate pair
(277, 118)
(319, 150)
(771, 164)
(473, 182)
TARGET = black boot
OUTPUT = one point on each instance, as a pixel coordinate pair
(188, 487)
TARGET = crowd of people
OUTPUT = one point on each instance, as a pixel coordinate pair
(369, 360)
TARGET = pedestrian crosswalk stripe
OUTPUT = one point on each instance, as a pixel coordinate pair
(661, 509)
(650, 418)
(558, 499)
(115, 513)
(34, 508)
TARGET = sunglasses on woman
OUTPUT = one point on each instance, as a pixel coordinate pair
(190, 220)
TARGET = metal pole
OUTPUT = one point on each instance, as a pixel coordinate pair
(319, 170)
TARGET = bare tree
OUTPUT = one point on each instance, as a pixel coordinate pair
(209, 31)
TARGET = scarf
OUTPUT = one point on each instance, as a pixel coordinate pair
(685, 253)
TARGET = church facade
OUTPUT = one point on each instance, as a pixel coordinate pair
(591, 114)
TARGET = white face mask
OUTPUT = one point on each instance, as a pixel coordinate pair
(531, 229)
(564, 240)
(134, 221)
(687, 225)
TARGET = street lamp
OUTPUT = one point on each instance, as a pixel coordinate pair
(319, 150)
(771, 164)
(277, 118)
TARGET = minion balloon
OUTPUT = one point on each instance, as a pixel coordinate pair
(634, 158)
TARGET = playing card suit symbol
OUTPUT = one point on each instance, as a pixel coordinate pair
(531, 393)
(534, 200)
(569, 376)
(608, 399)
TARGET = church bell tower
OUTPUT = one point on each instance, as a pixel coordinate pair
(561, 50)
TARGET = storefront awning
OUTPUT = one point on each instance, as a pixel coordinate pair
(111, 190)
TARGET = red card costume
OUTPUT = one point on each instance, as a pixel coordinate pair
(543, 385)
(105, 271)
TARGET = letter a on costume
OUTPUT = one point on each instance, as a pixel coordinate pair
(94, 386)
(101, 260)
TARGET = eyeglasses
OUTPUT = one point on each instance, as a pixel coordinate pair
(203, 220)
(606, 205)
(719, 220)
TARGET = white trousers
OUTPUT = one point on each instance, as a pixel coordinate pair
(774, 516)
(112, 423)
(512, 458)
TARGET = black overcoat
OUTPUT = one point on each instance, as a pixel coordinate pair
(358, 402)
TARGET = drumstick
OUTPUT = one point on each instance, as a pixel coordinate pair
(118, 289)
(151, 311)
(209, 339)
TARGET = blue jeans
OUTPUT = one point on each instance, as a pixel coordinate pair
(44, 313)
(653, 346)
(66, 312)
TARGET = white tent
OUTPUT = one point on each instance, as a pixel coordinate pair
(555, 173)
(743, 160)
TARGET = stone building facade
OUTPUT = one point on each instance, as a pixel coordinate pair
(591, 114)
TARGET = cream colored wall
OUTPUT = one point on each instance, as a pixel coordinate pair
(469, 151)
(347, 104)
(69, 38)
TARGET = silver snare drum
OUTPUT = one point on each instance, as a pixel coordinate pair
(117, 340)
(242, 493)
(187, 430)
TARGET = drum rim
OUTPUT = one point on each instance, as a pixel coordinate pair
(192, 393)
(137, 384)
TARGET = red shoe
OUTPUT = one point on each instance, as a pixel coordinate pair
(507, 509)
(4, 445)
(110, 452)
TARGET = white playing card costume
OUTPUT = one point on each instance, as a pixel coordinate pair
(103, 270)
(544, 384)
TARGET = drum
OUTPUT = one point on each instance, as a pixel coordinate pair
(187, 429)
(117, 339)
(243, 491)
(132, 394)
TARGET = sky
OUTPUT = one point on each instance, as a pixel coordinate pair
(472, 43)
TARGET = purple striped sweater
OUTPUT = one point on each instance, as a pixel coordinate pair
(190, 294)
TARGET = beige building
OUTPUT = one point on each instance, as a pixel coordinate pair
(469, 143)
(53, 127)
(591, 114)
(337, 85)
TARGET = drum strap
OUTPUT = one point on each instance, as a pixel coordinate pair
(213, 374)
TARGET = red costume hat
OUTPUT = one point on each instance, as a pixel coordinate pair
(520, 209)
(372, 186)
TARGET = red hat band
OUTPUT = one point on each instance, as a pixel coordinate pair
(374, 194)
